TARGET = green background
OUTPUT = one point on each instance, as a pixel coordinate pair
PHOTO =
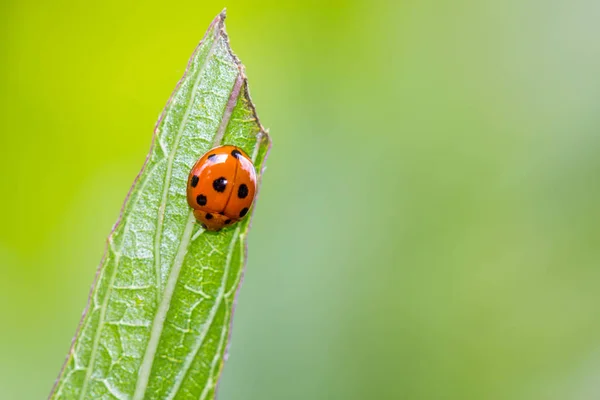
(428, 225)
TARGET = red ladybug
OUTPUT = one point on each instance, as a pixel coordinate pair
(221, 187)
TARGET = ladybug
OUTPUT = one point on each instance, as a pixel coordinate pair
(221, 187)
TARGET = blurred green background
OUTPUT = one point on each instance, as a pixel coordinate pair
(428, 225)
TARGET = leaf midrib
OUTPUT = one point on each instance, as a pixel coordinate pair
(165, 300)
(160, 317)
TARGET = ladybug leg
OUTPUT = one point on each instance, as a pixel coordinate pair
(199, 214)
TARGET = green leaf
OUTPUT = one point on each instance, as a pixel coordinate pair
(158, 317)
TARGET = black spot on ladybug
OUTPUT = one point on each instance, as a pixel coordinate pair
(243, 212)
(212, 157)
(220, 184)
(243, 191)
(201, 200)
(194, 181)
(227, 221)
(204, 226)
(236, 153)
(208, 216)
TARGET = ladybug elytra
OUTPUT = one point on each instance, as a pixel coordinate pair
(221, 187)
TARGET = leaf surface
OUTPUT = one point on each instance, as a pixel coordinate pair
(158, 317)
